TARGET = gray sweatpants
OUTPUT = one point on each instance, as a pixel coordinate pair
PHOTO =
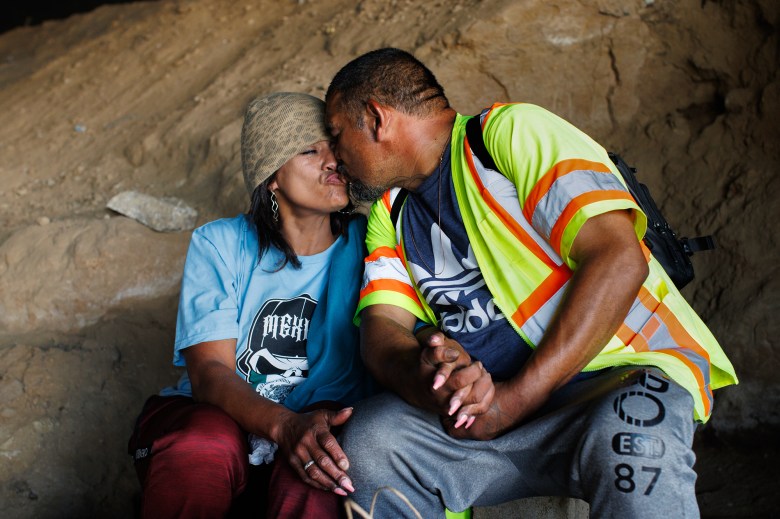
(621, 441)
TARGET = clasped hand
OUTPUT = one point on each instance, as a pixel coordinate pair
(460, 389)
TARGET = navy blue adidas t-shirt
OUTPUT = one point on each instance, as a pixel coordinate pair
(446, 272)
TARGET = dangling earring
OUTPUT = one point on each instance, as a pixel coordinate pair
(274, 207)
(349, 209)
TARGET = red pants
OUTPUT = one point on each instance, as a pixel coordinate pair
(191, 460)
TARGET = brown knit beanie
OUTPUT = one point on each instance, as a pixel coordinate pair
(276, 128)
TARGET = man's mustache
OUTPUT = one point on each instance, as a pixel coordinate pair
(360, 192)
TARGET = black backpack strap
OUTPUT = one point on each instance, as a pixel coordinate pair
(697, 244)
(395, 210)
(477, 143)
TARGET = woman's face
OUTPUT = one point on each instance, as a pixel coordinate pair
(309, 184)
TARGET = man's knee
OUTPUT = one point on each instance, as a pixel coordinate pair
(642, 420)
(637, 445)
(375, 424)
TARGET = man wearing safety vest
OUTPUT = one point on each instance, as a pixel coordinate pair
(514, 306)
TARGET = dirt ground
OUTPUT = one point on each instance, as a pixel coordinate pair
(149, 97)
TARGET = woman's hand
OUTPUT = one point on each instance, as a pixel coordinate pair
(312, 450)
(491, 423)
(302, 437)
(461, 387)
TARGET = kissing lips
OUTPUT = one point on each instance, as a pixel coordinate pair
(335, 178)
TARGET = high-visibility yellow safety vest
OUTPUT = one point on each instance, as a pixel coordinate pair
(521, 223)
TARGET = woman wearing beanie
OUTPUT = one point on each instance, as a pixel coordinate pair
(264, 329)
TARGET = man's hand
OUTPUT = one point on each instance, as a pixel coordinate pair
(304, 438)
(442, 353)
(491, 423)
(429, 370)
(461, 388)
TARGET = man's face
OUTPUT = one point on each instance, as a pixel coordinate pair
(358, 153)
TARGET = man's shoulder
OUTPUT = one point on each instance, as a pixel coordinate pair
(532, 128)
(504, 115)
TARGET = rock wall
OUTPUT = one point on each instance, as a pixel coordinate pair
(149, 97)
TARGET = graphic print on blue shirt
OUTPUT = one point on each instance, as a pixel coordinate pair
(446, 272)
(275, 360)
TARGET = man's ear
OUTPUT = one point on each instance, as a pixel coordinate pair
(379, 119)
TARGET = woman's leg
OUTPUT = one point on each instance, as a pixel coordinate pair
(191, 458)
(290, 497)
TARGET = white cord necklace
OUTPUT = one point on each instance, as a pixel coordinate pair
(441, 241)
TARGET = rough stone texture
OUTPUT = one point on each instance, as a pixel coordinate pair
(160, 214)
(67, 275)
(67, 406)
(149, 97)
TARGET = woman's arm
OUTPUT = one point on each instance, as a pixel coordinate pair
(301, 436)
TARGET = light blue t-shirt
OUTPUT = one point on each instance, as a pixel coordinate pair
(228, 292)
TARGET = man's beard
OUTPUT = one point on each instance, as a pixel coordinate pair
(360, 192)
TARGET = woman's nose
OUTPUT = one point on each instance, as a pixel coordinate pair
(330, 162)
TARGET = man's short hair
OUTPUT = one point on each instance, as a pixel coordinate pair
(392, 77)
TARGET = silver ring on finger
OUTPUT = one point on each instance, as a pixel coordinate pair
(308, 464)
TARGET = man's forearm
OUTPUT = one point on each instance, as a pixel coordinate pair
(428, 370)
(392, 355)
(602, 290)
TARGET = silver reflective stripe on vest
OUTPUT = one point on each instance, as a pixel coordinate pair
(640, 318)
(384, 268)
(637, 316)
(505, 193)
(565, 189)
